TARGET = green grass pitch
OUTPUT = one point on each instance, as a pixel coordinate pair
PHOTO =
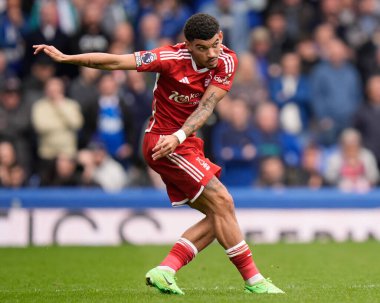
(346, 272)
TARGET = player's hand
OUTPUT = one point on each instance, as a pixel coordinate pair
(51, 51)
(165, 146)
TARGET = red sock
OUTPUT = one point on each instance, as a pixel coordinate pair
(241, 256)
(181, 253)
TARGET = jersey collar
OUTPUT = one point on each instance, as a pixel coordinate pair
(202, 70)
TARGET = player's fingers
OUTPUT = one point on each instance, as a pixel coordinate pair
(38, 45)
(52, 49)
(52, 53)
(157, 155)
(159, 149)
(159, 144)
(156, 148)
(162, 152)
(38, 48)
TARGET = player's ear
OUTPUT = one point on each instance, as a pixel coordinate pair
(221, 36)
(188, 45)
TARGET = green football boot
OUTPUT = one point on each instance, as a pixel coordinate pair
(264, 286)
(163, 280)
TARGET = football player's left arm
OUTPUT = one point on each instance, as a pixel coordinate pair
(103, 61)
(167, 144)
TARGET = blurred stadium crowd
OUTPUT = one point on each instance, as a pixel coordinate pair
(304, 109)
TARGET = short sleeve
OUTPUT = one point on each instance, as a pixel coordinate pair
(225, 72)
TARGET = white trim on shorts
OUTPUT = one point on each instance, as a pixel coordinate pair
(180, 203)
(198, 194)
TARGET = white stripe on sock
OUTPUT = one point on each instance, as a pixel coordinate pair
(167, 268)
(256, 278)
(192, 246)
(231, 255)
(235, 247)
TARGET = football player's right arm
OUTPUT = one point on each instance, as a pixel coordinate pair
(95, 60)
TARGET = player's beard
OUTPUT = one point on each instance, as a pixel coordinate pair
(212, 63)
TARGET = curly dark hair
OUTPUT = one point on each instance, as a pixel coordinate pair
(201, 26)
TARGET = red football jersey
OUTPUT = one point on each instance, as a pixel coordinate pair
(180, 84)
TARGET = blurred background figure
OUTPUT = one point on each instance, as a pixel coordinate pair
(67, 15)
(113, 15)
(91, 37)
(13, 27)
(48, 32)
(233, 146)
(248, 85)
(12, 174)
(150, 27)
(56, 120)
(367, 118)
(336, 93)
(368, 56)
(138, 97)
(352, 167)
(42, 70)
(99, 169)
(123, 38)
(323, 34)
(173, 14)
(366, 23)
(310, 173)
(234, 22)
(272, 173)
(4, 71)
(291, 93)
(307, 51)
(84, 88)
(15, 123)
(64, 173)
(300, 17)
(271, 141)
(109, 121)
(259, 47)
(280, 40)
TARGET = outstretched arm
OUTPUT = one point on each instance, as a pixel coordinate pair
(94, 60)
(167, 144)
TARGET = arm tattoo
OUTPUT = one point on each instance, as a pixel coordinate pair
(91, 64)
(201, 114)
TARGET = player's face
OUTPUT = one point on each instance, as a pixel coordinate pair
(206, 52)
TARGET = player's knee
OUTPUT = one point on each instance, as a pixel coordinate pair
(224, 204)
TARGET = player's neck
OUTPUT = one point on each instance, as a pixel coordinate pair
(199, 66)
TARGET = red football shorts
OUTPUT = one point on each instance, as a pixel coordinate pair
(185, 172)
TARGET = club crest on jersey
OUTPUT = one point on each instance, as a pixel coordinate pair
(148, 57)
(208, 79)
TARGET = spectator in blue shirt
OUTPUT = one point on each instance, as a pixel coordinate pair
(173, 15)
(290, 91)
(12, 29)
(336, 92)
(110, 121)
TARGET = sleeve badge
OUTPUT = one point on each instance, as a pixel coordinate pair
(148, 57)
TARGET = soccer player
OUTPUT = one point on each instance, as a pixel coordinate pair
(192, 77)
